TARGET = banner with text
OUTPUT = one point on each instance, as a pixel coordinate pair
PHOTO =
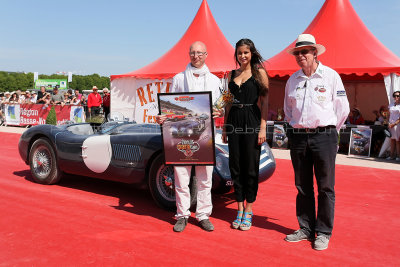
(34, 114)
(51, 83)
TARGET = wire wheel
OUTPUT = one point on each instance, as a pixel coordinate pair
(42, 162)
(166, 182)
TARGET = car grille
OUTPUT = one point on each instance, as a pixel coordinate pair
(128, 153)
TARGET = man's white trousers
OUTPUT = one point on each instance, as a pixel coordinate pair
(182, 191)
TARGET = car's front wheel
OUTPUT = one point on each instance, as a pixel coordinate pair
(162, 184)
(43, 162)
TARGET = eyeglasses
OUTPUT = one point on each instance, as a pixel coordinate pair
(303, 52)
(396, 96)
(200, 54)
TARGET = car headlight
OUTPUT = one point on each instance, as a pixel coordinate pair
(222, 165)
(173, 130)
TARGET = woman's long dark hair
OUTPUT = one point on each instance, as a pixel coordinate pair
(255, 63)
(12, 97)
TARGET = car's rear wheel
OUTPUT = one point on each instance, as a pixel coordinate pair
(162, 184)
(43, 162)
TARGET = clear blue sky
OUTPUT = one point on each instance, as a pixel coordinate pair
(115, 37)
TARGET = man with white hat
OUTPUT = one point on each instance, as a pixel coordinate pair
(316, 107)
(94, 102)
(7, 96)
(34, 96)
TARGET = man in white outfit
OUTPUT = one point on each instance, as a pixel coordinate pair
(196, 78)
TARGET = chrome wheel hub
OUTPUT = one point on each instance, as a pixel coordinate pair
(165, 182)
(42, 162)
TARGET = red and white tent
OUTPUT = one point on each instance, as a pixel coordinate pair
(134, 94)
(351, 49)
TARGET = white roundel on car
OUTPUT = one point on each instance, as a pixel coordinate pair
(96, 153)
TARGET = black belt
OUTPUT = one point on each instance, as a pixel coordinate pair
(313, 130)
(242, 105)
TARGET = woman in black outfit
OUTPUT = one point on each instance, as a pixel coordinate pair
(245, 127)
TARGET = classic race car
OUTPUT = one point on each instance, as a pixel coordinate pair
(119, 151)
(192, 127)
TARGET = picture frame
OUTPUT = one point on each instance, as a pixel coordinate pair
(279, 137)
(188, 131)
(360, 141)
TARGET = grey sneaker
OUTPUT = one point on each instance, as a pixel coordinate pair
(180, 224)
(321, 242)
(206, 225)
(298, 236)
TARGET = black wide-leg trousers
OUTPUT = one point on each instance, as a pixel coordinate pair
(244, 162)
(314, 153)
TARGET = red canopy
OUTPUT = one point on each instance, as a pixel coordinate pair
(350, 47)
(203, 28)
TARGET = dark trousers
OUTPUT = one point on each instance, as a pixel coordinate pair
(244, 161)
(314, 152)
(95, 111)
(106, 112)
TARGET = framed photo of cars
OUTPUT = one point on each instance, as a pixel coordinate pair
(188, 132)
(360, 141)
(279, 138)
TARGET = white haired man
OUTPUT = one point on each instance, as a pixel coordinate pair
(316, 107)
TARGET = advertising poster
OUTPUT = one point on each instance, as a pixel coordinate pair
(77, 114)
(279, 139)
(188, 132)
(360, 142)
(12, 114)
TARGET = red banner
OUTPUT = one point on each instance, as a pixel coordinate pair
(34, 114)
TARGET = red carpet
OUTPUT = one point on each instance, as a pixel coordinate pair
(84, 221)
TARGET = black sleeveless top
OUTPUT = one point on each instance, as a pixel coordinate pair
(247, 93)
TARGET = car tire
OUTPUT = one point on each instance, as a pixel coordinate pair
(161, 184)
(43, 162)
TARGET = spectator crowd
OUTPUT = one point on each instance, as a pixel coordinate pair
(91, 103)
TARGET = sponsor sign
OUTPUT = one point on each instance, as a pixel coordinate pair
(188, 132)
(34, 114)
(51, 83)
(12, 114)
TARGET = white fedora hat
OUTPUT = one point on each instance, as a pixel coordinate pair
(306, 40)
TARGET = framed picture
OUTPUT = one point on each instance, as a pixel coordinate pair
(360, 142)
(188, 132)
(279, 139)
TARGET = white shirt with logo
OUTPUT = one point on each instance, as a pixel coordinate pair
(316, 101)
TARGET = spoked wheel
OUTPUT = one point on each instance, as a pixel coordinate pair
(162, 184)
(43, 162)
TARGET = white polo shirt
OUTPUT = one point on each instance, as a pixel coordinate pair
(316, 101)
